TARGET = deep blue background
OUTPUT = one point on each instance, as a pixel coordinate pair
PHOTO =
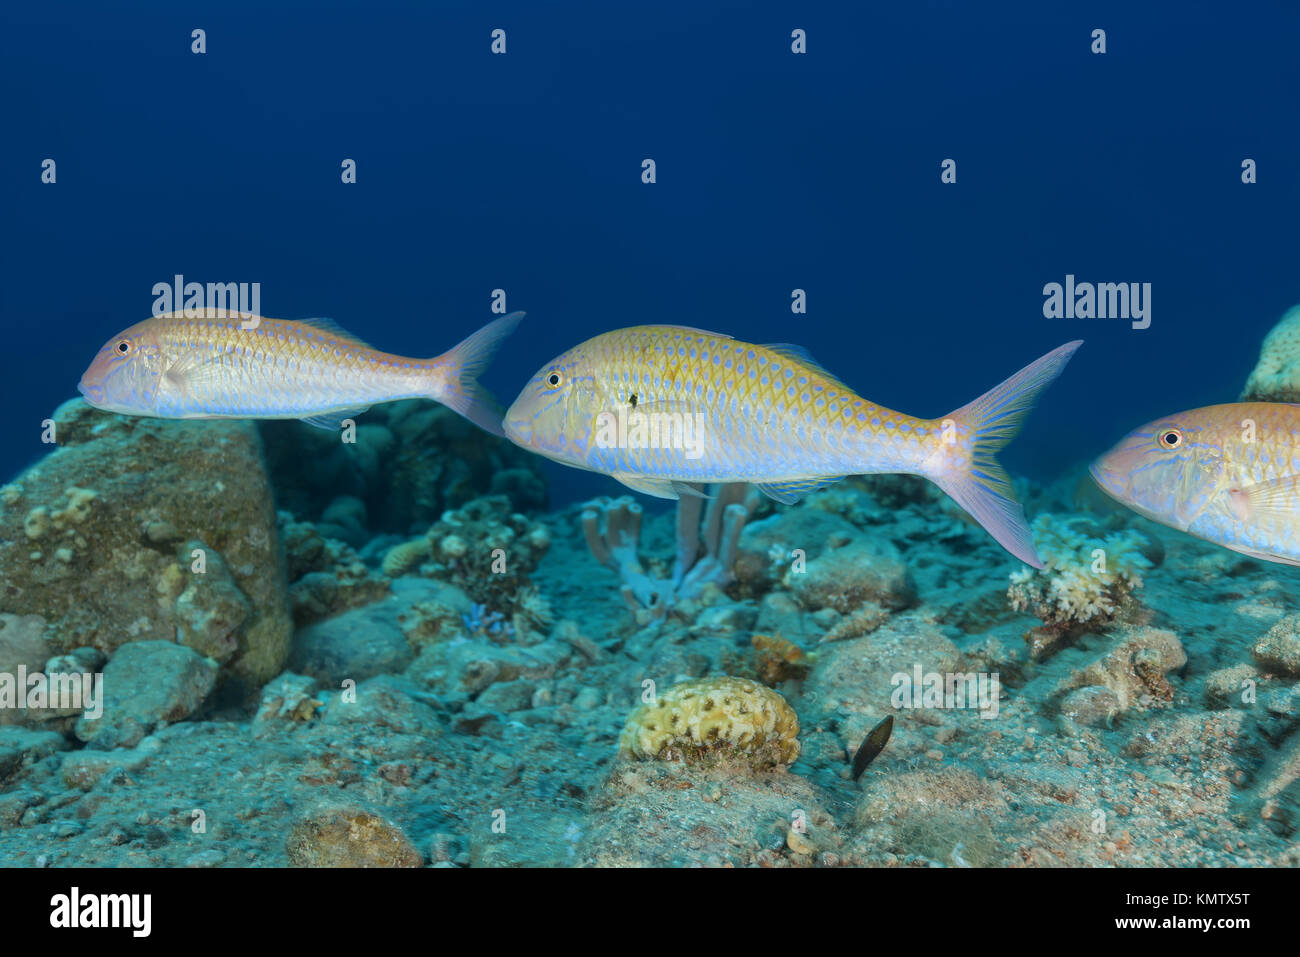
(775, 171)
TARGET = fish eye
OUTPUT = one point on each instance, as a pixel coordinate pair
(1171, 439)
(123, 347)
(553, 379)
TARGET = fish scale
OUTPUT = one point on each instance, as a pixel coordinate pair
(768, 414)
(789, 408)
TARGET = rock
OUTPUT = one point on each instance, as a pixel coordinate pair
(211, 609)
(107, 494)
(470, 666)
(349, 836)
(20, 748)
(1095, 706)
(1276, 376)
(856, 675)
(289, 697)
(22, 645)
(84, 769)
(767, 547)
(357, 644)
(1224, 688)
(846, 578)
(147, 683)
(384, 701)
(1278, 651)
(1134, 668)
(508, 696)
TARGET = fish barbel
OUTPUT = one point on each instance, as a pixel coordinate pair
(1224, 473)
(215, 365)
(664, 409)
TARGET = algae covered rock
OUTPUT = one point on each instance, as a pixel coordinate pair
(714, 718)
(845, 578)
(88, 537)
(1133, 668)
(357, 644)
(20, 748)
(1278, 651)
(211, 609)
(1276, 376)
(349, 836)
(147, 683)
(22, 645)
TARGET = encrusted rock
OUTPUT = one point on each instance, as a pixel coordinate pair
(846, 578)
(349, 836)
(113, 478)
(147, 683)
(1278, 651)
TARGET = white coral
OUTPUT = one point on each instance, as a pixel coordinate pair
(1083, 578)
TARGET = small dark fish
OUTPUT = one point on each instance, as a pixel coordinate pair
(873, 745)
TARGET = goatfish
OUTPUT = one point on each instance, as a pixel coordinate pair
(1229, 474)
(211, 364)
(666, 409)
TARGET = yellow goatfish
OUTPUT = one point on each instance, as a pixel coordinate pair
(664, 409)
(220, 366)
(1229, 474)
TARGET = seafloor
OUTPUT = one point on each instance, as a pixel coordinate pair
(392, 653)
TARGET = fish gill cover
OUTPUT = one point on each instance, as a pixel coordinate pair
(401, 640)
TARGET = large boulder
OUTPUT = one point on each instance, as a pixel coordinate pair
(110, 536)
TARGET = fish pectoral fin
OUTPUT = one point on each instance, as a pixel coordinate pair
(659, 488)
(190, 368)
(787, 493)
(1274, 501)
(333, 421)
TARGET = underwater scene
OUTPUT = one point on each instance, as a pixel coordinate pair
(744, 435)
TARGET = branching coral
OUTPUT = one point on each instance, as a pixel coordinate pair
(612, 528)
(1085, 579)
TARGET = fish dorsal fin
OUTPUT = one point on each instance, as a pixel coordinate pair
(788, 350)
(334, 329)
(694, 330)
(787, 493)
(333, 421)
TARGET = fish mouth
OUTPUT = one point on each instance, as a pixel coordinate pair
(1111, 482)
(518, 430)
(94, 394)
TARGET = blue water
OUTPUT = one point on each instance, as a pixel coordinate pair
(775, 171)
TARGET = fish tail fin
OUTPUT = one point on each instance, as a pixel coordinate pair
(461, 391)
(964, 465)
